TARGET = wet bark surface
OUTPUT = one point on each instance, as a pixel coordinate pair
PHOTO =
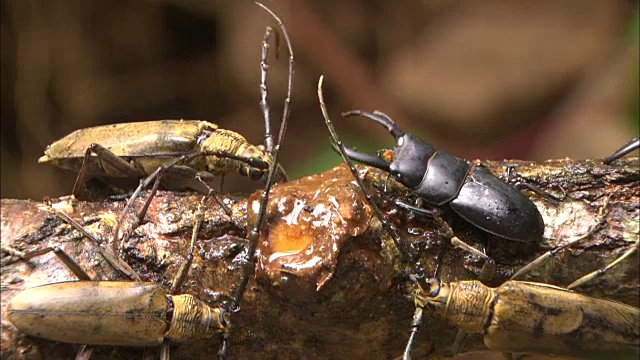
(329, 282)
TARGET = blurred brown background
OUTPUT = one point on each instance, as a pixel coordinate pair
(482, 79)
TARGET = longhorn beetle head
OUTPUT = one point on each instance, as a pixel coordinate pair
(407, 162)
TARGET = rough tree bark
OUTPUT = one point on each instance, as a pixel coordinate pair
(329, 282)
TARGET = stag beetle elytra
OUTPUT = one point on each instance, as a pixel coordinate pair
(440, 178)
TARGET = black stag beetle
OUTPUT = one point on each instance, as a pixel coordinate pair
(440, 178)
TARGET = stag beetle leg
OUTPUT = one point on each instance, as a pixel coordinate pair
(488, 269)
(627, 148)
(433, 213)
(517, 182)
(520, 185)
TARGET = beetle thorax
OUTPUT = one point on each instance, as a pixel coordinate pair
(468, 306)
(193, 320)
(223, 140)
(233, 143)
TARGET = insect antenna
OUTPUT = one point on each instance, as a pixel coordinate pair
(264, 90)
(340, 146)
(264, 197)
(416, 322)
(248, 266)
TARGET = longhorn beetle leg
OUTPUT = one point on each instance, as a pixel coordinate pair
(155, 178)
(178, 317)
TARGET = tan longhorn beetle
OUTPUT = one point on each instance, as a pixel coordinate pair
(125, 313)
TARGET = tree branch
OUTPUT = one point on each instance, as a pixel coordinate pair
(329, 282)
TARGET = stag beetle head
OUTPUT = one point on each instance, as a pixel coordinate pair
(407, 162)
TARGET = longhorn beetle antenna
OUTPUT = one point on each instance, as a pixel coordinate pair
(264, 104)
(417, 317)
(264, 197)
(338, 144)
(418, 275)
(248, 266)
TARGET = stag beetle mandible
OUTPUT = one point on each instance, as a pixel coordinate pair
(440, 178)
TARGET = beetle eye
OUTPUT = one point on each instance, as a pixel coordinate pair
(224, 318)
(434, 287)
(254, 174)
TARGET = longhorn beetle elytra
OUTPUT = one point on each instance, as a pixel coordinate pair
(118, 313)
(200, 321)
(135, 150)
(530, 317)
